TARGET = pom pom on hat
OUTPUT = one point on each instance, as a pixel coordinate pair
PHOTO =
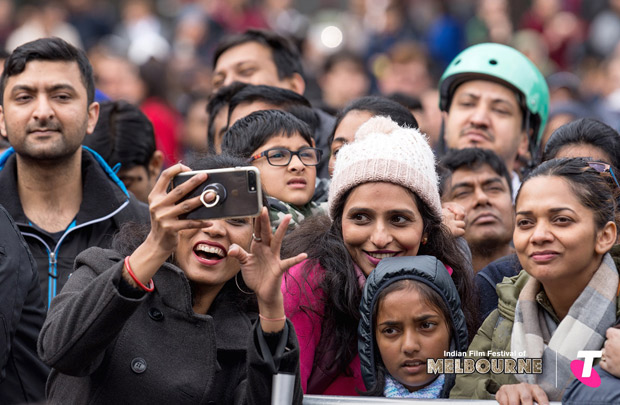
(384, 152)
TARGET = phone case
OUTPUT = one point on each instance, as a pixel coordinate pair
(238, 191)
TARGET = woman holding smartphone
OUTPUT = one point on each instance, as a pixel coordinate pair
(194, 314)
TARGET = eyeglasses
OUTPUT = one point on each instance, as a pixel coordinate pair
(282, 157)
(604, 168)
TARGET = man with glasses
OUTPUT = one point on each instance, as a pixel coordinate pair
(281, 147)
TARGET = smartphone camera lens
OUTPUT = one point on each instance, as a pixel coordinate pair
(251, 181)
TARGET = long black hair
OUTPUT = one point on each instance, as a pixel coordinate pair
(323, 242)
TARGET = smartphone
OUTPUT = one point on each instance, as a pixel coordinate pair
(238, 193)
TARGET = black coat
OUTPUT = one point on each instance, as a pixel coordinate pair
(426, 269)
(106, 205)
(107, 348)
(489, 277)
(22, 374)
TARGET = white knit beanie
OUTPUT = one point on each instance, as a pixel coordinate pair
(384, 152)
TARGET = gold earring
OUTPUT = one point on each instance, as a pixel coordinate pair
(424, 240)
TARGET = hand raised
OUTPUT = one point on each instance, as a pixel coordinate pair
(262, 268)
(453, 217)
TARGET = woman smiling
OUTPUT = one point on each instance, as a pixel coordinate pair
(192, 314)
(383, 202)
(565, 298)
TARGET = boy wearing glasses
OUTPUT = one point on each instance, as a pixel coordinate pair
(281, 147)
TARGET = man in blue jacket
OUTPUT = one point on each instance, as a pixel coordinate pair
(63, 197)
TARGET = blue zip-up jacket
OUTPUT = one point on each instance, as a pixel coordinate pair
(105, 206)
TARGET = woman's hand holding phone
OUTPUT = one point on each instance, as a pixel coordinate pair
(162, 239)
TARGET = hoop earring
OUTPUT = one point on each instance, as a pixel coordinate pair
(240, 289)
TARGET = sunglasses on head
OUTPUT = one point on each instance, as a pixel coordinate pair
(604, 168)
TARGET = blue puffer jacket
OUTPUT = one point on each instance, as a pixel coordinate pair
(608, 393)
(426, 269)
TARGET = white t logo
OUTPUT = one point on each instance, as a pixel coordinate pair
(588, 356)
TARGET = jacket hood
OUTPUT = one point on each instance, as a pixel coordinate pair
(426, 269)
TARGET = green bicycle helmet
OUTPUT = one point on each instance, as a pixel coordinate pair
(505, 65)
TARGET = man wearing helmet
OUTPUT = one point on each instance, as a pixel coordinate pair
(493, 97)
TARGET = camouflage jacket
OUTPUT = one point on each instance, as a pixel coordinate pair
(278, 209)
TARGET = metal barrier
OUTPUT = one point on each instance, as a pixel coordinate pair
(337, 400)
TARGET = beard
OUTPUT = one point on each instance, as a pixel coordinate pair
(489, 244)
(60, 146)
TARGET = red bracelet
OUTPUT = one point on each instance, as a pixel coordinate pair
(151, 286)
(271, 319)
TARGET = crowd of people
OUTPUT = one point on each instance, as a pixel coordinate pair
(394, 231)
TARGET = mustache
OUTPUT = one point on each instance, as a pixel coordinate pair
(37, 128)
(478, 128)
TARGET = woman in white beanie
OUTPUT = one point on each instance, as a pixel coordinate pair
(383, 202)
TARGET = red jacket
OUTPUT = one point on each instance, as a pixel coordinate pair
(308, 328)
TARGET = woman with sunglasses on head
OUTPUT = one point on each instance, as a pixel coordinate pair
(565, 298)
(281, 147)
(186, 312)
(596, 141)
(586, 138)
(383, 202)
(601, 143)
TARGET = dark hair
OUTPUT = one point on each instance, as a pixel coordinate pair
(590, 187)
(585, 131)
(218, 101)
(473, 159)
(430, 297)
(340, 286)
(306, 114)
(131, 234)
(284, 54)
(377, 105)
(284, 99)
(50, 50)
(406, 100)
(154, 75)
(123, 135)
(343, 56)
(253, 131)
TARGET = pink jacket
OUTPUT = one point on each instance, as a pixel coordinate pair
(308, 327)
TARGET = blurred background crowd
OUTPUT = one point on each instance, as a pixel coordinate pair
(158, 53)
